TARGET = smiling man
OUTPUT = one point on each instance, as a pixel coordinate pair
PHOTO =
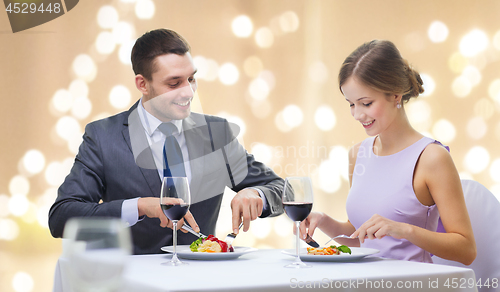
(122, 159)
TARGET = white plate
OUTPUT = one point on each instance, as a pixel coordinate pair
(356, 254)
(184, 252)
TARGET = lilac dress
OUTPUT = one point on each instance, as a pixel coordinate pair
(383, 185)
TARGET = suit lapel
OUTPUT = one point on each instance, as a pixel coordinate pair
(139, 147)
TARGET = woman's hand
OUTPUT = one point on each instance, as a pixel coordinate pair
(378, 227)
(308, 225)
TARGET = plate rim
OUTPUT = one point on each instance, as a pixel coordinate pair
(345, 257)
(208, 256)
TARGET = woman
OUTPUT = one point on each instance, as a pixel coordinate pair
(399, 178)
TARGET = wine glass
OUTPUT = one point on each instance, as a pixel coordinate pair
(97, 250)
(297, 202)
(175, 199)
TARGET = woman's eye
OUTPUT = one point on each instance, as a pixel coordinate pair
(367, 104)
(351, 105)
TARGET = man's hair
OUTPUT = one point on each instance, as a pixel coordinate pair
(155, 43)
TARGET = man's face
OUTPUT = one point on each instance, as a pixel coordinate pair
(171, 88)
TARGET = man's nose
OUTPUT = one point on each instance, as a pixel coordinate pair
(187, 91)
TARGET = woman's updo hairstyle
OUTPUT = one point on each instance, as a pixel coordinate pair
(379, 65)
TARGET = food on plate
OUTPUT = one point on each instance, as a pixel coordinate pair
(210, 244)
(330, 250)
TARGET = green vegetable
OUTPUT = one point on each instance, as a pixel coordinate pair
(195, 244)
(344, 249)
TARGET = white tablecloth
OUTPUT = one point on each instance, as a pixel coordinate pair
(263, 270)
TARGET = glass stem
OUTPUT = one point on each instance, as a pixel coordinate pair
(297, 243)
(175, 237)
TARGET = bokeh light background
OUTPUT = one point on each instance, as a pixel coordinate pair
(269, 66)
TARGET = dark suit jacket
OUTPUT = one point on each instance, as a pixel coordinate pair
(112, 166)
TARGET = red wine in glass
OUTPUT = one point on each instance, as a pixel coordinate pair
(175, 212)
(297, 211)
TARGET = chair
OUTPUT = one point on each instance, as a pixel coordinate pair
(484, 213)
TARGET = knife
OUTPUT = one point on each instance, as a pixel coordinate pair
(190, 230)
(311, 241)
(231, 236)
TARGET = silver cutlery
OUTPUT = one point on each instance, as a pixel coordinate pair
(340, 236)
(231, 236)
(190, 230)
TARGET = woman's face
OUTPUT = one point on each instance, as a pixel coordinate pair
(375, 110)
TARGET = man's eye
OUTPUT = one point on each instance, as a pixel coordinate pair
(174, 85)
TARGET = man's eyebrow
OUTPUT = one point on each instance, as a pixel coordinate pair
(179, 77)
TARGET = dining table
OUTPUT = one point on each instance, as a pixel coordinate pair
(263, 270)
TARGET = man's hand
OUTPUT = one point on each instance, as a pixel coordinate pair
(247, 204)
(151, 208)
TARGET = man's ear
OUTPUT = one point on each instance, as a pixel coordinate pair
(141, 83)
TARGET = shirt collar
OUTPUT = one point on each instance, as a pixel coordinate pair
(151, 123)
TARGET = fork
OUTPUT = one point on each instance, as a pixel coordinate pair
(231, 236)
(340, 236)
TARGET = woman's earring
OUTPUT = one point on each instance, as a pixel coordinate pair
(398, 105)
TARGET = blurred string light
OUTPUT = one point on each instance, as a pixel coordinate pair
(325, 118)
(419, 114)
(78, 88)
(242, 26)
(429, 85)
(477, 128)
(261, 228)
(282, 226)
(120, 97)
(125, 51)
(444, 131)
(228, 74)
(477, 159)
(280, 124)
(495, 170)
(18, 205)
(339, 155)
(107, 17)
(293, 116)
(235, 120)
(82, 107)
(57, 171)
(22, 282)
(484, 108)
(318, 72)
(329, 176)
(19, 185)
(123, 32)
(264, 37)
(33, 161)
(261, 108)
(494, 91)
(437, 32)
(496, 40)
(252, 66)
(67, 127)
(457, 62)
(473, 43)
(9, 230)
(145, 9)
(289, 21)
(105, 43)
(262, 152)
(62, 101)
(84, 67)
(208, 69)
(461, 86)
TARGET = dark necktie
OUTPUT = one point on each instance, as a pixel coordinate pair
(172, 154)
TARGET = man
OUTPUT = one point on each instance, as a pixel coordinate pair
(123, 158)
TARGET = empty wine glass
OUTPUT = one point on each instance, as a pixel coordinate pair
(175, 199)
(297, 202)
(97, 249)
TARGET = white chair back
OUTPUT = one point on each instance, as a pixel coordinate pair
(484, 213)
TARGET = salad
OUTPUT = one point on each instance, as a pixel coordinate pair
(330, 250)
(210, 244)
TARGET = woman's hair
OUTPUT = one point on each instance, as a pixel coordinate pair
(155, 43)
(379, 65)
